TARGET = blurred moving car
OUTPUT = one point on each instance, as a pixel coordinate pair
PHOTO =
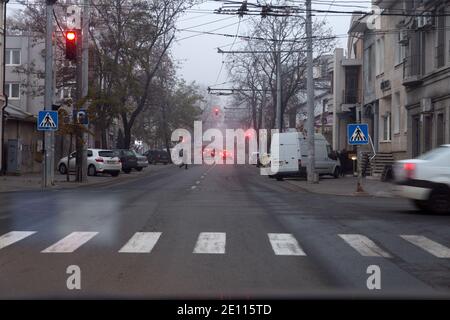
(142, 161)
(226, 154)
(98, 161)
(426, 180)
(128, 159)
(157, 156)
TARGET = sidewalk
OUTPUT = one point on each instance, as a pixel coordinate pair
(29, 182)
(345, 186)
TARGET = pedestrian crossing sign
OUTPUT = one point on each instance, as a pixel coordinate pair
(47, 120)
(358, 134)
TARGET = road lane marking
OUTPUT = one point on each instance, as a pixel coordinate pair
(364, 245)
(284, 244)
(430, 246)
(211, 242)
(70, 243)
(141, 242)
(197, 182)
(193, 187)
(14, 236)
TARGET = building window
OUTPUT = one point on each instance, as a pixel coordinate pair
(399, 50)
(12, 57)
(440, 46)
(440, 130)
(427, 133)
(396, 112)
(12, 90)
(380, 56)
(387, 127)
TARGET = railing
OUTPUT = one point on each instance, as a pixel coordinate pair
(351, 96)
(412, 68)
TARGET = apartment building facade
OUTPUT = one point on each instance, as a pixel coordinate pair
(426, 74)
(24, 85)
(2, 94)
(383, 91)
(346, 88)
(323, 110)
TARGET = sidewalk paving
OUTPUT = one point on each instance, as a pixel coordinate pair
(29, 182)
(345, 186)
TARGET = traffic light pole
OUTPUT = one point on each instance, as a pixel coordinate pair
(48, 143)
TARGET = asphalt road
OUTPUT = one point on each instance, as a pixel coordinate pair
(217, 232)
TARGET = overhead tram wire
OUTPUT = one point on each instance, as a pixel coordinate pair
(211, 32)
(325, 12)
(223, 61)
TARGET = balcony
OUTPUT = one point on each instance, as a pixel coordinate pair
(350, 98)
(412, 71)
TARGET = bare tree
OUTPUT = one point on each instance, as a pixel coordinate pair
(255, 71)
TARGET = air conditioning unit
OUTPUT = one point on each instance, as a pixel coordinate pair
(404, 37)
(426, 105)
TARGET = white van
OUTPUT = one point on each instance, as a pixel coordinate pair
(289, 155)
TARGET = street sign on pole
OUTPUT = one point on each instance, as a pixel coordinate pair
(80, 117)
(47, 121)
(358, 134)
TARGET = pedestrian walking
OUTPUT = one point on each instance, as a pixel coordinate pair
(341, 157)
(184, 161)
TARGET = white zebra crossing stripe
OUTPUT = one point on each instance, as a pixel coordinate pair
(211, 242)
(70, 243)
(364, 245)
(284, 244)
(141, 242)
(430, 246)
(14, 236)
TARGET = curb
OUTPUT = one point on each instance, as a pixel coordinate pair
(353, 194)
(74, 185)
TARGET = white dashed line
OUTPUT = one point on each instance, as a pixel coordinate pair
(211, 242)
(284, 244)
(430, 246)
(70, 243)
(364, 245)
(141, 242)
(14, 236)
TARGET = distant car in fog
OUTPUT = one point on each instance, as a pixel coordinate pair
(157, 156)
(142, 161)
(426, 180)
(128, 159)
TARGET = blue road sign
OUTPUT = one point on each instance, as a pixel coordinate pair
(47, 120)
(80, 117)
(358, 134)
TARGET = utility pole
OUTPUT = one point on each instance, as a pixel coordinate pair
(85, 77)
(82, 69)
(49, 147)
(278, 115)
(311, 168)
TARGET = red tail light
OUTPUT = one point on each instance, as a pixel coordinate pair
(409, 169)
(99, 159)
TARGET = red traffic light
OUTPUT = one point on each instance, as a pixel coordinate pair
(70, 35)
(216, 111)
(71, 45)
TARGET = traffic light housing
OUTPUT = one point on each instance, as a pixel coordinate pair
(71, 45)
